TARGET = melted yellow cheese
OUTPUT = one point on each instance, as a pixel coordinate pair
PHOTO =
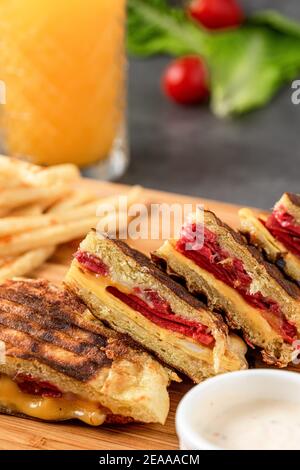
(48, 409)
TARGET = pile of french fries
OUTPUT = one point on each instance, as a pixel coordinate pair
(41, 208)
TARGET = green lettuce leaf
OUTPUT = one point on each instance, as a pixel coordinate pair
(276, 21)
(156, 28)
(248, 66)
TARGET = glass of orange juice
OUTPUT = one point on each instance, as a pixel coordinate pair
(63, 66)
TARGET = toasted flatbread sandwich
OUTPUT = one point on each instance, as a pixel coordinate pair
(277, 234)
(124, 288)
(236, 279)
(60, 363)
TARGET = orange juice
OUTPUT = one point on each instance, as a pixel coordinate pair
(62, 62)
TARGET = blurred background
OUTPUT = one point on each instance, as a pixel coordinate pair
(63, 67)
(250, 159)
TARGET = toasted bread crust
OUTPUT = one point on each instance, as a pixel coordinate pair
(40, 322)
(294, 198)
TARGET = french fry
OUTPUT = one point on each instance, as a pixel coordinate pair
(118, 224)
(134, 195)
(26, 263)
(29, 210)
(81, 197)
(12, 171)
(8, 180)
(54, 235)
(12, 198)
(4, 212)
(17, 164)
(13, 225)
(75, 199)
(40, 208)
(48, 236)
(49, 176)
(49, 202)
(15, 172)
(5, 261)
(9, 177)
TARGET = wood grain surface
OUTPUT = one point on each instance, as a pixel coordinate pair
(17, 433)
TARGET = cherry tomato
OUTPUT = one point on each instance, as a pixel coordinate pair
(216, 14)
(186, 80)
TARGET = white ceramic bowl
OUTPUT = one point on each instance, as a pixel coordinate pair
(214, 395)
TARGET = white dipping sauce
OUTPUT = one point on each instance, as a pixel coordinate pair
(260, 424)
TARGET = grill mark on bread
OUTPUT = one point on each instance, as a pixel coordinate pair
(32, 320)
(290, 288)
(43, 296)
(55, 335)
(22, 346)
(70, 342)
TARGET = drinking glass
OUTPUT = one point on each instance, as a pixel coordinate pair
(62, 66)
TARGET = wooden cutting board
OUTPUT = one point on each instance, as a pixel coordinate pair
(17, 433)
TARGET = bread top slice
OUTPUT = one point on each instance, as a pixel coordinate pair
(266, 278)
(50, 335)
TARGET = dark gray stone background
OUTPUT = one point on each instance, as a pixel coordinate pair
(247, 160)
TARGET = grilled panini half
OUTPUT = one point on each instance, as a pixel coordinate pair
(277, 234)
(236, 280)
(125, 289)
(61, 363)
